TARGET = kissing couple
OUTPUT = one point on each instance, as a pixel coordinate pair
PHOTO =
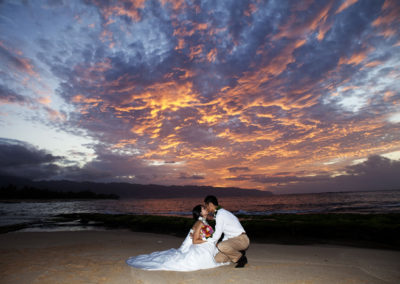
(201, 248)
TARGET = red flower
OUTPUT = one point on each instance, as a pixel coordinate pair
(206, 231)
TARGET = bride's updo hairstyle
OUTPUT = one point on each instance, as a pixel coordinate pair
(196, 212)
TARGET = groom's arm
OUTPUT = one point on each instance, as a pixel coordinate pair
(218, 229)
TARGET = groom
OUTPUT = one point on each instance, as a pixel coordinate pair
(235, 242)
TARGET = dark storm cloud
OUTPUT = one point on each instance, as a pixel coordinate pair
(112, 165)
(377, 167)
(237, 169)
(86, 173)
(17, 153)
(184, 176)
(22, 159)
(376, 173)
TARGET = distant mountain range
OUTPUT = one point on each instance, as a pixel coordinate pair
(128, 190)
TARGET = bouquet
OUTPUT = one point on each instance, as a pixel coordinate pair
(206, 232)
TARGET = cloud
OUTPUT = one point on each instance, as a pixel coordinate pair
(18, 158)
(232, 89)
(22, 159)
(236, 169)
(8, 96)
(16, 61)
(376, 173)
(184, 176)
(346, 4)
(171, 113)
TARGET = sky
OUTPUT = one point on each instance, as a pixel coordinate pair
(285, 96)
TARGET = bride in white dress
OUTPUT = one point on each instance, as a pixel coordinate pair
(195, 252)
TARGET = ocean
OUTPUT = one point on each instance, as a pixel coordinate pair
(40, 215)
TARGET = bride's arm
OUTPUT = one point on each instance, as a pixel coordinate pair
(196, 234)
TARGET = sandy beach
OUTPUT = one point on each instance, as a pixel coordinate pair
(99, 257)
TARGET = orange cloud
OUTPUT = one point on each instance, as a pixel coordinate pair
(82, 99)
(94, 73)
(177, 5)
(124, 142)
(373, 63)
(321, 17)
(181, 44)
(160, 97)
(44, 100)
(212, 55)
(54, 114)
(324, 28)
(251, 10)
(213, 160)
(20, 63)
(389, 19)
(195, 51)
(28, 67)
(293, 29)
(355, 59)
(187, 29)
(201, 26)
(119, 9)
(346, 4)
(85, 103)
(388, 95)
(106, 35)
(212, 31)
(183, 32)
(250, 82)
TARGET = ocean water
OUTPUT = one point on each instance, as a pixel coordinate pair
(40, 214)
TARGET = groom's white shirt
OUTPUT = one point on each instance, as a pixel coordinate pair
(227, 223)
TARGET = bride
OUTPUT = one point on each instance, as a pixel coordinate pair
(195, 252)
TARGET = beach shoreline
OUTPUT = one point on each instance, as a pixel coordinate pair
(378, 231)
(99, 257)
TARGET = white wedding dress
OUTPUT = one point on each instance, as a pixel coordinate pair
(188, 257)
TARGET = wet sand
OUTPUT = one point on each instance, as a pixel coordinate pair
(99, 257)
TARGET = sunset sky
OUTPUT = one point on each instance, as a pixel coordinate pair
(286, 96)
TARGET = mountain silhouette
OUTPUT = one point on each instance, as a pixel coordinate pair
(128, 190)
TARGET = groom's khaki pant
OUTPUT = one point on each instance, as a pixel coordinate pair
(229, 250)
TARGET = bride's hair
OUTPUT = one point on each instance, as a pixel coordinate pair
(196, 212)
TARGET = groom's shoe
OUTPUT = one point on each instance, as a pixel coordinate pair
(242, 261)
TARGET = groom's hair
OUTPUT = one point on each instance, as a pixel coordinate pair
(211, 199)
(196, 212)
